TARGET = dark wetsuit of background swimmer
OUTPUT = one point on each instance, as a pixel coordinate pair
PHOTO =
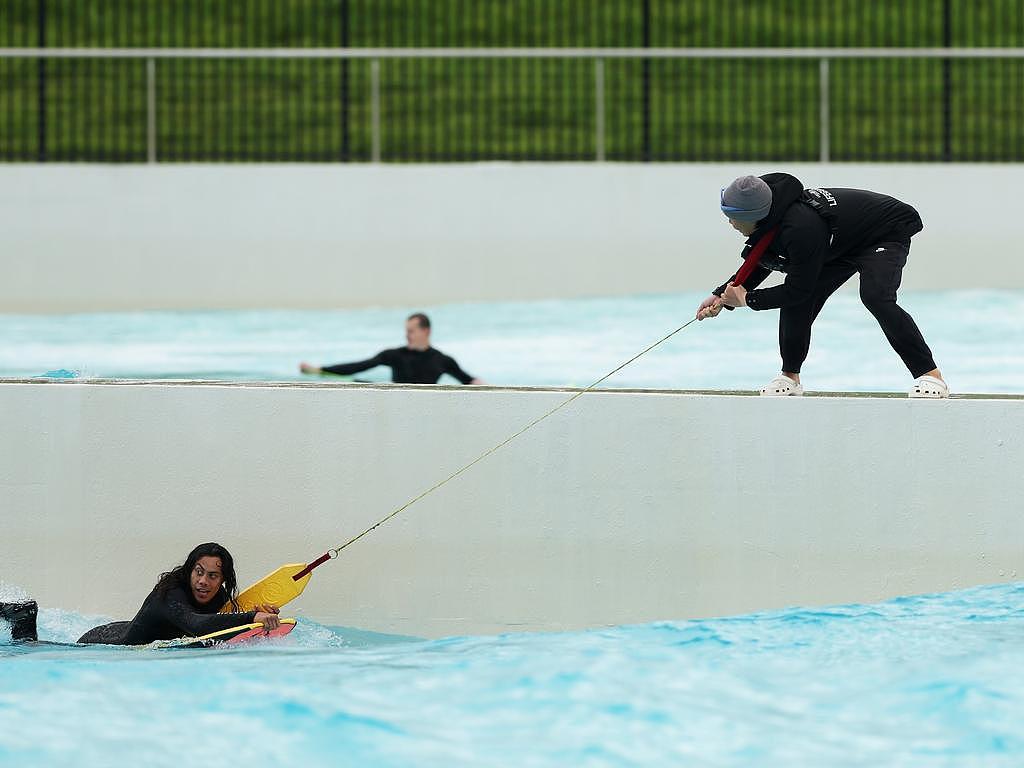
(824, 237)
(169, 616)
(408, 366)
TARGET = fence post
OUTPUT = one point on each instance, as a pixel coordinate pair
(151, 110)
(344, 81)
(40, 81)
(599, 108)
(648, 30)
(375, 110)
(824, 123)
(947, 83)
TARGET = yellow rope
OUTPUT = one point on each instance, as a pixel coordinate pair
(334, 552)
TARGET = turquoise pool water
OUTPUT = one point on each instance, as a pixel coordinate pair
(977, 338)
(921, 681)
(935, 680)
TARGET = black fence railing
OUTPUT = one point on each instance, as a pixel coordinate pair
(437, 109)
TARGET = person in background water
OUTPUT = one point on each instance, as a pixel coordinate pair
(820, 237)
(415, 363)
(186, 602)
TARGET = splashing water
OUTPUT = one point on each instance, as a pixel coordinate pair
(976, 336)
(930, 680)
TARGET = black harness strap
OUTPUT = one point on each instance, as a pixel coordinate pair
(823, 203)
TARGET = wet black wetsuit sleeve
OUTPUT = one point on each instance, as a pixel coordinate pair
(184, 617)
(452, 369)
(347, 369)
(171, 615)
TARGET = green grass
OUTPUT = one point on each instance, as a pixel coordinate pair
(445, 109)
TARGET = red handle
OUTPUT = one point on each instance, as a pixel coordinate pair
(319, 561)
(751, 262)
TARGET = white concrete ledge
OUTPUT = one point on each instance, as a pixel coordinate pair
(625, 507)
(101, 237)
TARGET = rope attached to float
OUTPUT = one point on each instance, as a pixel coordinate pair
(333, 553)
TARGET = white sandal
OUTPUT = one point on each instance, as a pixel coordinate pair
(782, 386)
(929, 386)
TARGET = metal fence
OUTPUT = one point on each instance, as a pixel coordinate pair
(627, 101)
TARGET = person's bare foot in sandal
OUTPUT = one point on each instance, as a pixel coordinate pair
(930, 385)
(783, 385)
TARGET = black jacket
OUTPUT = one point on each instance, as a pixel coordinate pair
(817, 226)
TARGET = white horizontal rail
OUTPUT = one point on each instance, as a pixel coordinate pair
(511, 53)
(374, 55)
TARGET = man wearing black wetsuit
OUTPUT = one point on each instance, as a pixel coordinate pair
(819, 238)
(168, 616)
(186, 602)
(415, 363)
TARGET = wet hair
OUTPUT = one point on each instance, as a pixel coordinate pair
(180, 576)
(420, 318)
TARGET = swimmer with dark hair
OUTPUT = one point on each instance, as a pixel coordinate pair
(415, 363)
(185, 602)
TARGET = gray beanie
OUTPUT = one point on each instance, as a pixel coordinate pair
(747, 199)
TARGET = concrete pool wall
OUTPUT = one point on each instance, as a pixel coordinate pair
(625, 507)
(106, 237)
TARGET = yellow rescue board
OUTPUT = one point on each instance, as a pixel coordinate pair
(277, 588)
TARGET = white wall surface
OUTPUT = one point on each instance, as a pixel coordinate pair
(99, 237)
(624, 507)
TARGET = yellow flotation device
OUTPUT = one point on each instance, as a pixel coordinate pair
(276, 588)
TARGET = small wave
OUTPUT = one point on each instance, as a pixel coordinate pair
(11, 593)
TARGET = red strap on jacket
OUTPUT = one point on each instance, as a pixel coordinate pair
(750, 263)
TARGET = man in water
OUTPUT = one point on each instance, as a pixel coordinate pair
(819, 238)
(415, 363)
(186, 602)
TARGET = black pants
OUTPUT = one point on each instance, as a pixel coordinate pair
(881, 269)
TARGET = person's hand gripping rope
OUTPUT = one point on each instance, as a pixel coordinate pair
(710, 307)
(734, 296)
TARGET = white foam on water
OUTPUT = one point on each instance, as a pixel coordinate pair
(12, 593)
(977, 338)
(925, 680)
(65, 626)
